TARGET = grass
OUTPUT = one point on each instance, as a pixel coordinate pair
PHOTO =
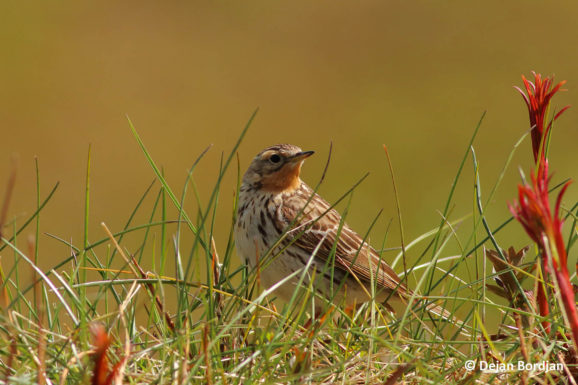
(98, 316)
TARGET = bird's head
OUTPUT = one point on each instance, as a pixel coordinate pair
(276, 168)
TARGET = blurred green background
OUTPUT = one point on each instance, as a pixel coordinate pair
(415, 76)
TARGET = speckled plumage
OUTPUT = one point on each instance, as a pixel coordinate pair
(303, 222)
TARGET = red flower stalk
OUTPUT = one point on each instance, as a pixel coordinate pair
(101, 342)
(539, 95)
(102, 374)
(533, 211)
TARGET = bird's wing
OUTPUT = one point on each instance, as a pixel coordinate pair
(319, 227)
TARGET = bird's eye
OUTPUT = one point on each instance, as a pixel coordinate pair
(275, 158)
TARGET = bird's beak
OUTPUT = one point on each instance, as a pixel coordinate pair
(301, 156)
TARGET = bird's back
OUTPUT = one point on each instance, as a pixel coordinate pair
(320, 226)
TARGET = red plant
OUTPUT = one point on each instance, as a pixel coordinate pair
(533, 207)
(539, 95)
(102, 374)
(533, 211)
(101, 342)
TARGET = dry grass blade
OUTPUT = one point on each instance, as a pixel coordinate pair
(10, 364)
(38, 307)
(140, 273)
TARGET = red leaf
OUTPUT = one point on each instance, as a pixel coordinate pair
(101, 342)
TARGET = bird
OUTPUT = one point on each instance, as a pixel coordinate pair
(283, 226)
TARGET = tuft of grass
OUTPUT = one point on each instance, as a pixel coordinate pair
(154, 302)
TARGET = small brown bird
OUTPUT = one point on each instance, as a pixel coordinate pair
(282, 222)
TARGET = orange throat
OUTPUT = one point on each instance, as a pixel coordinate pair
(284, 180)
